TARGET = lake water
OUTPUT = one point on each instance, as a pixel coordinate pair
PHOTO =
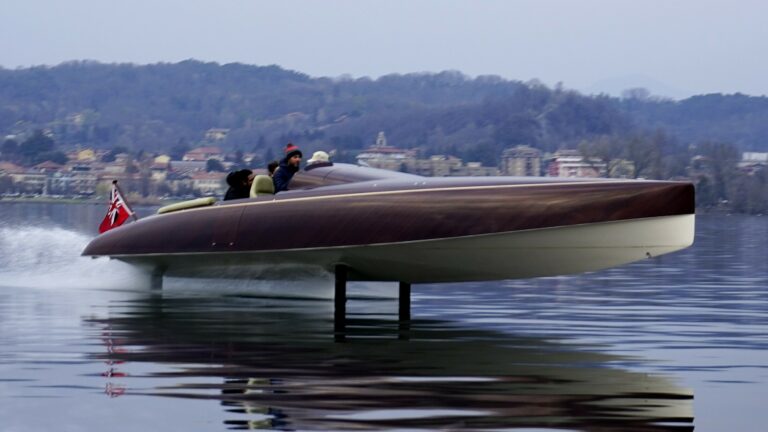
(668, 344)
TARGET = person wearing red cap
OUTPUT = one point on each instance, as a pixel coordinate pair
(289, 165)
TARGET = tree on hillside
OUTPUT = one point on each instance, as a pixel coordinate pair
(486, 152)
(56, 156)
(722, 159)
(36, 146)
(705, 193)
(6, 184)
(269, 155)
(603, 148)
(179, 149)
(237, 159)
(260, 143)
(257, 162)
(517, 129)
(646, 153)
(214, 165)
(749, 192)
(636, 94)
(110, 155)
(9, 150)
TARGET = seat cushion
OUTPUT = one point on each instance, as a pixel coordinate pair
(262, 184)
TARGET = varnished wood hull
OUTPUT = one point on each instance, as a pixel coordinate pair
(520, 254)
(419, 230)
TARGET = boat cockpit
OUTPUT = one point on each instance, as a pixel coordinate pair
(329, 175)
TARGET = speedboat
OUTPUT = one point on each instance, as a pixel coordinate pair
(380, 225)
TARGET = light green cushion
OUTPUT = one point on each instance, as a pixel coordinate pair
(262, 185)
(199, 202)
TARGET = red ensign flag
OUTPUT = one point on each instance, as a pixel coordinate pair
(118, 211)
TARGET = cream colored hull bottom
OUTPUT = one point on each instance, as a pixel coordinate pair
(511, 255)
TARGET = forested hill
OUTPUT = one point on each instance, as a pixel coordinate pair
(737, 119)
(156, 107)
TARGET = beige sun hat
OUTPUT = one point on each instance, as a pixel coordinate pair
(318, 156)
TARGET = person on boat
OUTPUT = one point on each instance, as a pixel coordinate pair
(239, 184)
(289, 166)
(319, 159)
(272, 166)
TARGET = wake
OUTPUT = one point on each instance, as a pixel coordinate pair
(49, 257)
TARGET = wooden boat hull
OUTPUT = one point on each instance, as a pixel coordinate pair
(419, 230)
(509, 255)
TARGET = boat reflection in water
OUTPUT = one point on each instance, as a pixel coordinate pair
(272, 365)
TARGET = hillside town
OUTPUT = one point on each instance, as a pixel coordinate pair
(88, 173)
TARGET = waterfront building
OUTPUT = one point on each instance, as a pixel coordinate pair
(162, 159)
(521, 160)
(216, 134)
(436, 166)
(621, 168)
(8, 168)
(476, 169)
(384, 156)
(754, 157)
(159, 171)
(753, 162)
(202, 154)
(29, 181)
(188, 166)
(209, 183)
(571, 163)
(47, 167)
(70, 183)
(85, 155)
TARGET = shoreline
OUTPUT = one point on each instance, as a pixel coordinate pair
(88, 201)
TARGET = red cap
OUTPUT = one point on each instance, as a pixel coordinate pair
(291, 149)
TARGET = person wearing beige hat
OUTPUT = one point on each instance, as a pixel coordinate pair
(319, 159)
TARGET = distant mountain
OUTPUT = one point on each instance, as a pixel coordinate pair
(617, 86)
(737, 119)
(161, 106)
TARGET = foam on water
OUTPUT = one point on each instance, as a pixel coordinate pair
(317, 286)
(49, 257)
(289, 281)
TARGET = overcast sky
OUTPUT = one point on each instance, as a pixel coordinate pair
(674, 47)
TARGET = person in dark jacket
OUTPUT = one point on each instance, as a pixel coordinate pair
(272, 166)
(289, 166)
(239, 184)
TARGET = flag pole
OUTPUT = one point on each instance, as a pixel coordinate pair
(122, 195)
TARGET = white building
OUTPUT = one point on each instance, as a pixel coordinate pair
(570, 163)
(209, 183)
(383, 156)
(752, 162)
(521, 161)
(754, 157)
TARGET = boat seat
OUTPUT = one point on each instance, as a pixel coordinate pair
(184, 205)
(262, 185)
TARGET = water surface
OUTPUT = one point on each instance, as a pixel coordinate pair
(667, 344)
